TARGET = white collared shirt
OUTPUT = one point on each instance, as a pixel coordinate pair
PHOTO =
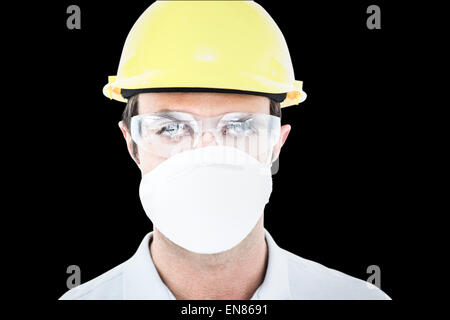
(287, 277)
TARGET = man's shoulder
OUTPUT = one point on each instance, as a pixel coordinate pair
(107, 286)
(312, 280)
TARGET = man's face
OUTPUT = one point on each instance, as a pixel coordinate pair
(200, 104)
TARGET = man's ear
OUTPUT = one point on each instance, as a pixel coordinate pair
(284, 132)
(128, 140)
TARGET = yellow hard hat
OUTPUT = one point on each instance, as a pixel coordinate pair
(229, 46)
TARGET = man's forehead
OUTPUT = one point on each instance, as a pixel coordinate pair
(202, 103)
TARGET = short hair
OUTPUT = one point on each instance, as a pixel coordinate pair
(132, 109)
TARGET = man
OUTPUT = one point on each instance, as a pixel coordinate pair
(204, 82)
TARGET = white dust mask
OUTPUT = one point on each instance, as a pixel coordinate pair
(206, 200)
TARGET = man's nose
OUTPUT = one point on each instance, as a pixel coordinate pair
(208, 139)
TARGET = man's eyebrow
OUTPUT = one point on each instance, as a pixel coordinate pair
(172, 114)
(165, 111)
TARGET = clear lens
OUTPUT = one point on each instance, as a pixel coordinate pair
(168, 133)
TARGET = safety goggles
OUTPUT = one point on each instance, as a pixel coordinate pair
(165, 134)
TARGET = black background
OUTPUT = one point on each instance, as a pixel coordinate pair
(339, 196)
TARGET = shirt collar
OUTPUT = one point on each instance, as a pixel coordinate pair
(276, 281)
(141, 280)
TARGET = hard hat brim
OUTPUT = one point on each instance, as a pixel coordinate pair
(164, 81)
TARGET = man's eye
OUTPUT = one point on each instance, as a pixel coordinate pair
(174, 129)
(238, 128)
